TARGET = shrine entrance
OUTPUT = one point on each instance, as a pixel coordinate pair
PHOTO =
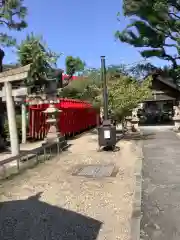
(157, 112)
(159, 108)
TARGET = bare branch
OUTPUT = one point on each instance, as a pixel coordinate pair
(174, 15)
(4, 22)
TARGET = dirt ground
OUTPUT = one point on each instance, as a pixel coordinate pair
(48, 202)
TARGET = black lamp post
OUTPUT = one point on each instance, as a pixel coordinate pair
(106, 132)
(104, 83)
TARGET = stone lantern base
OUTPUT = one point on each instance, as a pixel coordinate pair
(128, 124)
(176, 123)
(53, 134)
(135, 124)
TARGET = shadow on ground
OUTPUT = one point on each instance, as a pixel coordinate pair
(137, 136)
(132, 136)
(52, 149)
(168, 123)
(32, 219)
(94, 131)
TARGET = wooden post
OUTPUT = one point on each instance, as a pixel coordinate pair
(23, 122)
(11, 119)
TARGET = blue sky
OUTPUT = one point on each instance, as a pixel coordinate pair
(79, 28)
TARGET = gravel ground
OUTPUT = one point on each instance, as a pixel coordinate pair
(48, 202)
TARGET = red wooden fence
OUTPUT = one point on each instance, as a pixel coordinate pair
(76, 116)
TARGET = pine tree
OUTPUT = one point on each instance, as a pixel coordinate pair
(155, 28)
(12, 17)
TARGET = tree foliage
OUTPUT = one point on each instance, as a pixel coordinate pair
(12, 17)
(125, 94)
(116, 71)
(124, 91)
(156, 28)
(35, 52)
(85, 88)
(141, 71)
(73, 65)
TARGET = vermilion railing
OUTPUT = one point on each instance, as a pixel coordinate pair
(76, 116)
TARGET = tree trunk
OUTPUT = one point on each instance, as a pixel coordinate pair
(2, 145)
(1, 59)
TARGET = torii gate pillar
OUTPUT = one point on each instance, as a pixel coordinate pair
(11, 119)
(7, 78)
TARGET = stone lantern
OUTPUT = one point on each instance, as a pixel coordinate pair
(135, 120)
(176, 118)
(53, 134)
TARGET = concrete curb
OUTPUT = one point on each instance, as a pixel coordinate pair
(136, 213)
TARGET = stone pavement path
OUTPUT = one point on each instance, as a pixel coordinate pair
(161, 187)
(48, 202)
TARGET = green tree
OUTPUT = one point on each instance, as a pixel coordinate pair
(141, 71)
(12, 17)
(116, 71)
(85, 88)
(155, 28)
(125, 94)
(124, 91)
(172, 74)
(35, 52)
(73, 65)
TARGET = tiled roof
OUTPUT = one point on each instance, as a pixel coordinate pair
(167, 81)
(7, 67)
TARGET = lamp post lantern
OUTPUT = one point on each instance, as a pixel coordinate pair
(106, 132)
